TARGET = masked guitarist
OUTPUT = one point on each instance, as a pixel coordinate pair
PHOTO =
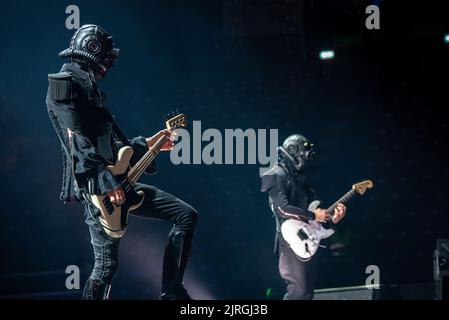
(291, 197)
(90, 140)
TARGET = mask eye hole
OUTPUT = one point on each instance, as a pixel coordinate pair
(292, 149)
(93, 46)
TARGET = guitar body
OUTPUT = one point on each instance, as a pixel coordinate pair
(113, 218)
(304, 237)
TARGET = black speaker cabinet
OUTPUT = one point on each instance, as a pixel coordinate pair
(348, 293)
(441, 269)
(414, 291)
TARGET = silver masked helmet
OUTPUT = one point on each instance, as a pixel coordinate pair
(93, 45)
(297, 151)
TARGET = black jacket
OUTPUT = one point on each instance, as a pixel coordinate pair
(289, 193)
(87, 131)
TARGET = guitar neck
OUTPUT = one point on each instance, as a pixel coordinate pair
(140, 167)
(348, 195)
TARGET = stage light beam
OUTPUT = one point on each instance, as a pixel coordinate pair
(268, 293)
(327, 54)
(446, 38)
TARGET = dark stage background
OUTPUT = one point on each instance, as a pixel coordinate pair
(378, 110)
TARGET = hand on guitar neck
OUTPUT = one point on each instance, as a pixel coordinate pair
(322, 215)
(168, 145)
(339, 213)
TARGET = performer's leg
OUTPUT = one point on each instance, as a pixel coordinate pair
(162, 205)
(296, 273)
(105, 249)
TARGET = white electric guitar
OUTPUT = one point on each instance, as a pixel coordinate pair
(114, 218)
(304, 236)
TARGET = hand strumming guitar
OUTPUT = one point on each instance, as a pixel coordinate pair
(117, 196)
(321, 215)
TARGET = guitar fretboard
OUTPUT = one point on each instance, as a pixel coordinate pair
(348, 195)
(140, 167)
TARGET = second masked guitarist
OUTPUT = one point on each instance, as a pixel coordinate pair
(291, 197)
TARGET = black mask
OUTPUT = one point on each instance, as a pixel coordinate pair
(297, 151)
(92, 45)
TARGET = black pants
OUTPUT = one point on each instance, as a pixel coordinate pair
(298, 275)
(156, 205)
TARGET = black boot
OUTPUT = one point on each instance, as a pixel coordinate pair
(177, 293)
(176, 256)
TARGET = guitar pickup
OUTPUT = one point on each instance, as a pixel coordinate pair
(302, 235)
(108, 205)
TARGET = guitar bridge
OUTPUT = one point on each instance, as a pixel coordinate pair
(307, 247)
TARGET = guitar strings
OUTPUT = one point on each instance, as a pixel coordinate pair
(346, 197)
(141, 165)
(146, 160)
(138, 165)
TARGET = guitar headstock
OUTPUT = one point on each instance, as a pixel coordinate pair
(361, 187)
(175, 120)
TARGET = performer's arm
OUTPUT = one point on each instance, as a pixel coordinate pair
(277, 191)
(141, 145)
(286, 210)
(338, 213)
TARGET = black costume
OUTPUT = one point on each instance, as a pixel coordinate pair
(90, 140)
(289, 197)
